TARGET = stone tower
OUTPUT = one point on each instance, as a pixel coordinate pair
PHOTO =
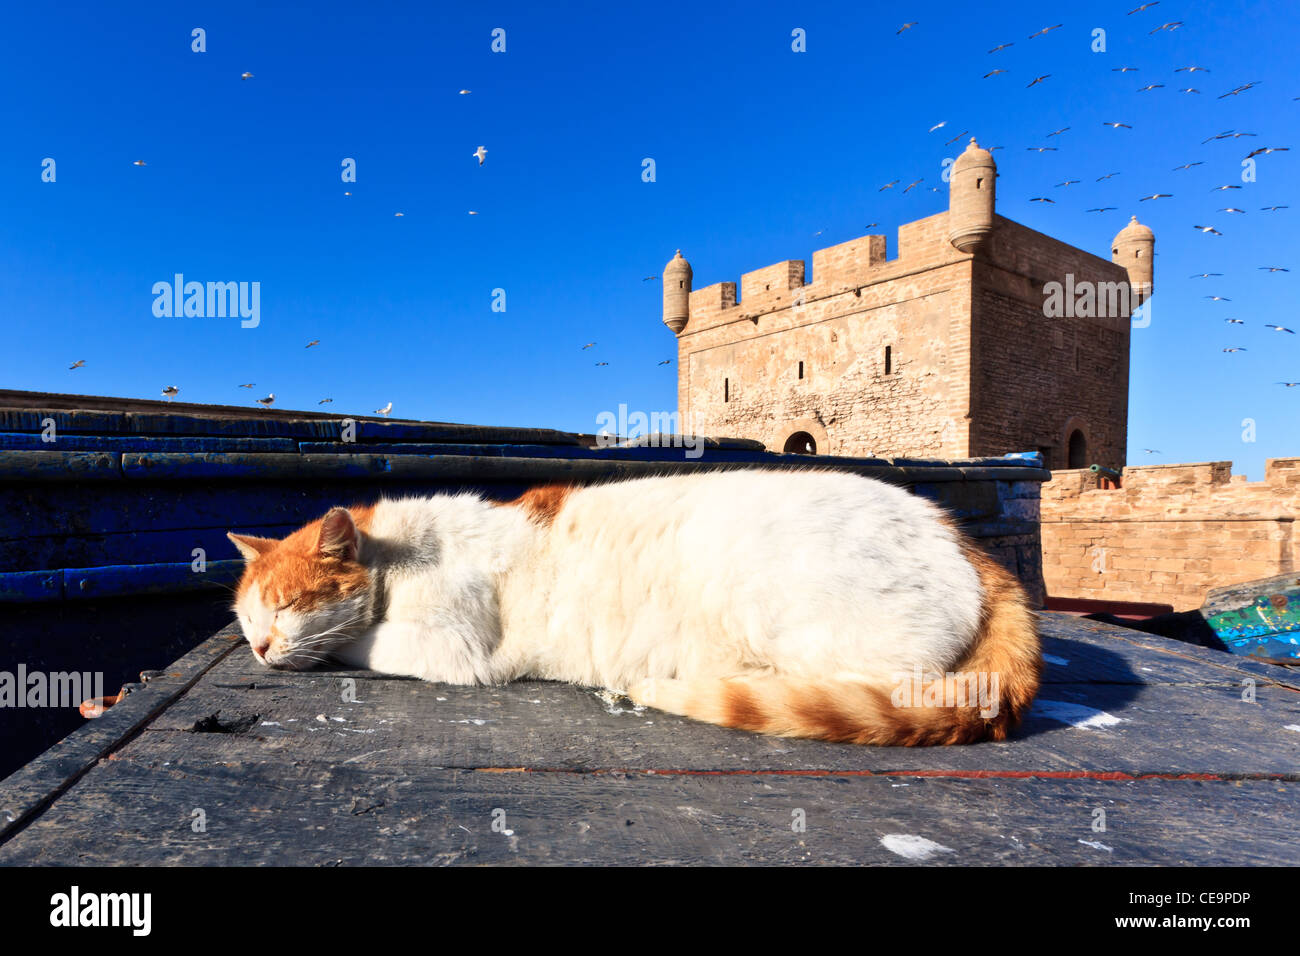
(1134, 248)
(677, 292)
(971, 192)
(979, 336)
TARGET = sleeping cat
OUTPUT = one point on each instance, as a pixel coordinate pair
(798, 603)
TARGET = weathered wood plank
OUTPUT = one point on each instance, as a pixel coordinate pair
(323, 815)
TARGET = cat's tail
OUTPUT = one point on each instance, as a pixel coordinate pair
(984, 699)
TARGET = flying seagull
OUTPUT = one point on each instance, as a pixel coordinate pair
(937, 126)
(905, 27)
(912, 185)
(1171, 27)
(1266, 150)
(481, 153)
(1234, 350)
(1205, 275)
(1157, 196)
(77, 364)
(1188, 165)
(313, 342)
(1117, 125)
(1122, 69)
(1191, 69)
(992, 73)
(1043, 199)
(1038, 79)
(1210, 229)
(1274, 269)
(326, 401)
(138, 162)
(1001, 46)
(587, 346)
(249, 385)
(247, 76)
(464, 92)
(1235, 321)
(1144, 6)
(1045, 30)
(1151, 86)
(1216, 298)
(1107, 176)
(599, 364)
(666, 362)
(1279, 328)
(1102, 209)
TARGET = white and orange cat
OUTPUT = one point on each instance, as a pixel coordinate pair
(797, 603)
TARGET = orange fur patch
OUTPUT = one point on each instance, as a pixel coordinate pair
(295, 571)
(542, 503)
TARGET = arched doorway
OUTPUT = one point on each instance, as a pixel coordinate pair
(800, 443)
(1077, 450)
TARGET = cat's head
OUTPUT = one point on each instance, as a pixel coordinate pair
(304, 596)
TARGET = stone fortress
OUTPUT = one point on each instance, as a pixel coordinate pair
(981, 337)
(944, 351)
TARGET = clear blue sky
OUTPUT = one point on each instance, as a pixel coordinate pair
(757, 149)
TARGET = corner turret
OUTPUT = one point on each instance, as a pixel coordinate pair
(971, 189)
(1134, 248)
(677, 293)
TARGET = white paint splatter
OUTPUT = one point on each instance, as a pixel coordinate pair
(1053, 659)
(1098, 845)
(270, 723)
(912, 847)
(1295, 727)
(341, 720)
(1076, 715)
(473, 720)
(612, 699)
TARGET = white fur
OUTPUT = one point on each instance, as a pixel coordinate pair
(811, 573)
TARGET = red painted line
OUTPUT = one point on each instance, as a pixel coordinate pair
(939, 774)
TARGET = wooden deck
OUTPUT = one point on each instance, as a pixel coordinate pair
(284, 770)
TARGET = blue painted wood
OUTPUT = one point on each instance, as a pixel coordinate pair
(73, 466)
(20, 441)
(135, 547)
(76, 584)
(29, 586)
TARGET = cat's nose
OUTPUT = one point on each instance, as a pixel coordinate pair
(261, 647)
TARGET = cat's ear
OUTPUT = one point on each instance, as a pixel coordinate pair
(339, 537)
(249, 546)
